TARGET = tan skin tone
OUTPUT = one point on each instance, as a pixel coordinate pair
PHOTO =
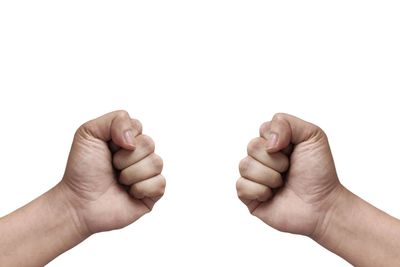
(112, 178)
(289, 181)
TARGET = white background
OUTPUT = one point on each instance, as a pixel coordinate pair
(201, 76)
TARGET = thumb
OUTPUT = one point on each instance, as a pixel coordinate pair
(285, 129)
(115, 126)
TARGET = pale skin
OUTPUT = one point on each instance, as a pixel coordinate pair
(289, 181)
(112, 178)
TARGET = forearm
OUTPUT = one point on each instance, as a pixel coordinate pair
(360, 233)
(38, 232)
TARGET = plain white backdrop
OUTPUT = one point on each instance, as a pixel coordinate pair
(201, 76)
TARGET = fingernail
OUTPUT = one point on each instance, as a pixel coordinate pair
(129, 139)
(272, 140)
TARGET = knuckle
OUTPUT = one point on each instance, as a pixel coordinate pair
(284, 164)
(239, 188)
(238, 185)
(317, 133)
(121, 159)
(244, 165)
(279, 116)
(265, 193)
(276, 179)
(122, 113)
(157, 162)
(117, 162)
(321, 133)
(254, 145)
(163, 182)
(148, 142)
(263, 128)
(123, 177)
(85, 129)
(161, 187)
(136, 124)
(137, 189)
(160, 192)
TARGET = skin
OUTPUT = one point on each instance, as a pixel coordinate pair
(289, 181)
(112, 178)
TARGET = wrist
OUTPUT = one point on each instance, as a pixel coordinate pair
(336, 207)
(40, 231)
(60, 201)
(359, 233)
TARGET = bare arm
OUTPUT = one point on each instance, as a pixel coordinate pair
(289, 181)
(360, 233)
(40, 231)
(112, 178)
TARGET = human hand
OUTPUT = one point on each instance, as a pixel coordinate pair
(113, 176)
(289, 179)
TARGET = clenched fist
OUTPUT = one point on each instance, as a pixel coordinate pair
(113, 176)
(288, 179)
